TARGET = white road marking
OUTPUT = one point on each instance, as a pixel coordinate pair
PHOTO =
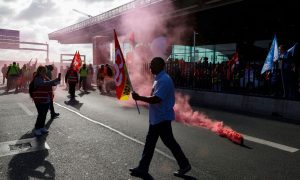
(25, 109)
(272, 144)
(114, 130)
(246, 137)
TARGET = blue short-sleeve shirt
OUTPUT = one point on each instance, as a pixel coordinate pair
(163, 88)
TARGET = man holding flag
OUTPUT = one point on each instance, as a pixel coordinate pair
(268, 67)
(281, 57)
(285, 65)
(72, 74)
(161, 114)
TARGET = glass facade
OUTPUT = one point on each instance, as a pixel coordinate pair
(215, 53)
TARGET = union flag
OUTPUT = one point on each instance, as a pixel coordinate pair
(121, 77)
(76, 62)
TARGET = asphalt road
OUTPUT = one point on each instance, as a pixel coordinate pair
(100, 138)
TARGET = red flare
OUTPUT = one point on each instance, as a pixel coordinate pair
(185, 114)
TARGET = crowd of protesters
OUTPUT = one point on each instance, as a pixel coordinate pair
(17, 77)
(105, 81)
(241, 77)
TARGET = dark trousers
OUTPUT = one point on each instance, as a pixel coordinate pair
(3, 78)
(42, 110)
(51, 108)
(72, 90)
(11, 82)
(82, 82)
(164, 131)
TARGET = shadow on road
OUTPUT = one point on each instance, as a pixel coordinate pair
(82, 93)
(48, 124)
(245, 146)
(74, 103)
(32, 165)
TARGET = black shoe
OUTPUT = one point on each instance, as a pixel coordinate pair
(55, 115)
(182, 171)
(137, 172)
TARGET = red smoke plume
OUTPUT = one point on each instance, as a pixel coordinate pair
(185, 114)
(153, 34)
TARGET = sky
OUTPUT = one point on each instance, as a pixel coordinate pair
(35, 19)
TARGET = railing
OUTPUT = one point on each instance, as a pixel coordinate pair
(104, 16)
(243, 79)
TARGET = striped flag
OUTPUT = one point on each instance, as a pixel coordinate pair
(272, 56)
(121, 77)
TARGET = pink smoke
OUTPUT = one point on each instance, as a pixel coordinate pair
(154, 35)
(142, 83)
(186, 115)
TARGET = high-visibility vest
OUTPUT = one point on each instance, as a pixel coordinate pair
(83, 72)
(72, 78)
(41, 94)
(13, 70)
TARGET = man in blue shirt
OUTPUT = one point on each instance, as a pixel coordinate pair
(161, 114)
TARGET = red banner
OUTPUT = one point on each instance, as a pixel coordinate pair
(76, 62)
(123, 84)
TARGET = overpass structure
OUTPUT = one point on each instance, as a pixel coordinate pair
(216, 21)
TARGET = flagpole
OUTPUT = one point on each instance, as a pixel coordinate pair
(282, 82)
(137, 106)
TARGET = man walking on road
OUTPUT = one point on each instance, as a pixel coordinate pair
(72, 79)
(161, 114)
(40, 90)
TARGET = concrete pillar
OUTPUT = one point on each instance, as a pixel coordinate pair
(101, 50)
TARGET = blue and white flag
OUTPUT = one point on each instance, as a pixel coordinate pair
(292, 49)
(272, 56)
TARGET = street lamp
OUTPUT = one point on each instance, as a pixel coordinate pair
(80, 12)
(195, 33)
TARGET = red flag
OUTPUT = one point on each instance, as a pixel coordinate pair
(234, 59)
(231, 64)
(123, 84)
(76, 62)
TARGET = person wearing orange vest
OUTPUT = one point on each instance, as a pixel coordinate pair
(72, 79)
(42, 95)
